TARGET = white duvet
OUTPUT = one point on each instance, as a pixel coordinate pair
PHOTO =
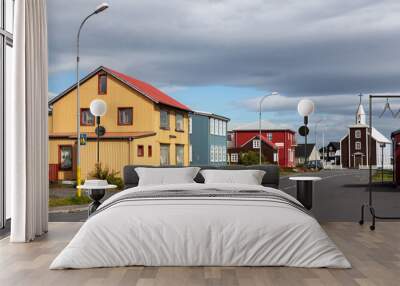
(202, 232)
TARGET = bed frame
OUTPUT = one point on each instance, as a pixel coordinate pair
(270, 179)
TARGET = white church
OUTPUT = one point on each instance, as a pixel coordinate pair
(354, 145)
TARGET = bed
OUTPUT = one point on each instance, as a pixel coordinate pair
(197, 224)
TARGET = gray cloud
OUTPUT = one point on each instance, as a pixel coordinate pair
(327, 50)
(300, 48)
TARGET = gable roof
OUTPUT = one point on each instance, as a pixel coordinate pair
(299, 151)
(151, 92)
(263, 139)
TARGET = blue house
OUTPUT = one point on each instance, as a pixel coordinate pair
(208, 136)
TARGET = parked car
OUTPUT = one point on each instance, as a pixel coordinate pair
(314, 164)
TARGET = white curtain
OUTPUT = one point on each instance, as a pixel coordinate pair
(26, 124)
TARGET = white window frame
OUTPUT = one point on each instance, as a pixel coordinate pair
(224, 153)
(357, 134)
(220, 132)
(357, 145)
(212, 153)
(256, 144)
(190, 153)
(212, 126)
(182, 148)
(6, 63)
(220, 154)
(234, 157)
(269, 136)
(190, 124)
(224, 128)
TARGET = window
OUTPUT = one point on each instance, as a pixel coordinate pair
(224, 153)
(190, 125)
(190, 153)
(65, 157)
(164, 154)
(140, 151)
(224, 128)
(164, 119)
(256, 144)
(6, 64)
(125, 116)
(358, 134)
(220, 132)
(179, 154)
(269, 136)
(102, 83)
(358, 145)
(87, 118)
(234, 158)
(212, 153)
(220, 154)
(150, 151)
(229, 137)
(212, 129)
(179, 122)
(275, 157)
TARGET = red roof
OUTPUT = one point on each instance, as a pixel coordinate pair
(148, 90)
(264, 139)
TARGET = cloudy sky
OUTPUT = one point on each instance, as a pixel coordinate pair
(223, 55)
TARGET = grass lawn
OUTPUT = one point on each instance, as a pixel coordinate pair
(72, 200)
(387, 176)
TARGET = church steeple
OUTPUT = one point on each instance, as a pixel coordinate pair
(360, 115)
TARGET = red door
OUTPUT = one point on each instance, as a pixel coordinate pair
(53, 172)
(397, 158)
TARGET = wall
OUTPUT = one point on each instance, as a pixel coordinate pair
(283, 139)
(200, 140)
(116, 153)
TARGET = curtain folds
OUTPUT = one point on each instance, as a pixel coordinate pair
(26, 120)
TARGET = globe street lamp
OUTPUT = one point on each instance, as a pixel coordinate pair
(98, 108)
(305, 107)
(99, 9)
(259, 120)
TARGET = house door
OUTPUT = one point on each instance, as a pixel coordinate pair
(357, 161)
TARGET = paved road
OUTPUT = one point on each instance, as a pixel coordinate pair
(340, 194)
(338, 197)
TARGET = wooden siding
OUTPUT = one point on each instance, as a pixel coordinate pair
(115, 153)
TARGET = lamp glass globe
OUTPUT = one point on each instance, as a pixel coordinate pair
(98, 107)
(305, 107)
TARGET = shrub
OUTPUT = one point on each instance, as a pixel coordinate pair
(105, 174)
(250, 158)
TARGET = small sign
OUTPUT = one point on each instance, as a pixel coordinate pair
(100, 131)
(303, 130)
(83, 139)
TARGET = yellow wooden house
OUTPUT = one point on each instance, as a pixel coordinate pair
(144, 126)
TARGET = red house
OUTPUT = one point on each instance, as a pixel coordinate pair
(396, 155)
(284, 141)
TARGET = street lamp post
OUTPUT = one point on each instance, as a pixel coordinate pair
(98, 108)
(99, 9)
(305, 107)
(316, 145)
(259, 120)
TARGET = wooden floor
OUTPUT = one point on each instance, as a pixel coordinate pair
(375, 257)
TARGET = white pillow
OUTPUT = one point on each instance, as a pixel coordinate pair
(166, 176)
(248, 177)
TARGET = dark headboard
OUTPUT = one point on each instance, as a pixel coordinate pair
(270, 179)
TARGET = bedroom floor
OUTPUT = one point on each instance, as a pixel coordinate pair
(375, 257)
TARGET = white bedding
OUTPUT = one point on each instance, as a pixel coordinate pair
(200, 231)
